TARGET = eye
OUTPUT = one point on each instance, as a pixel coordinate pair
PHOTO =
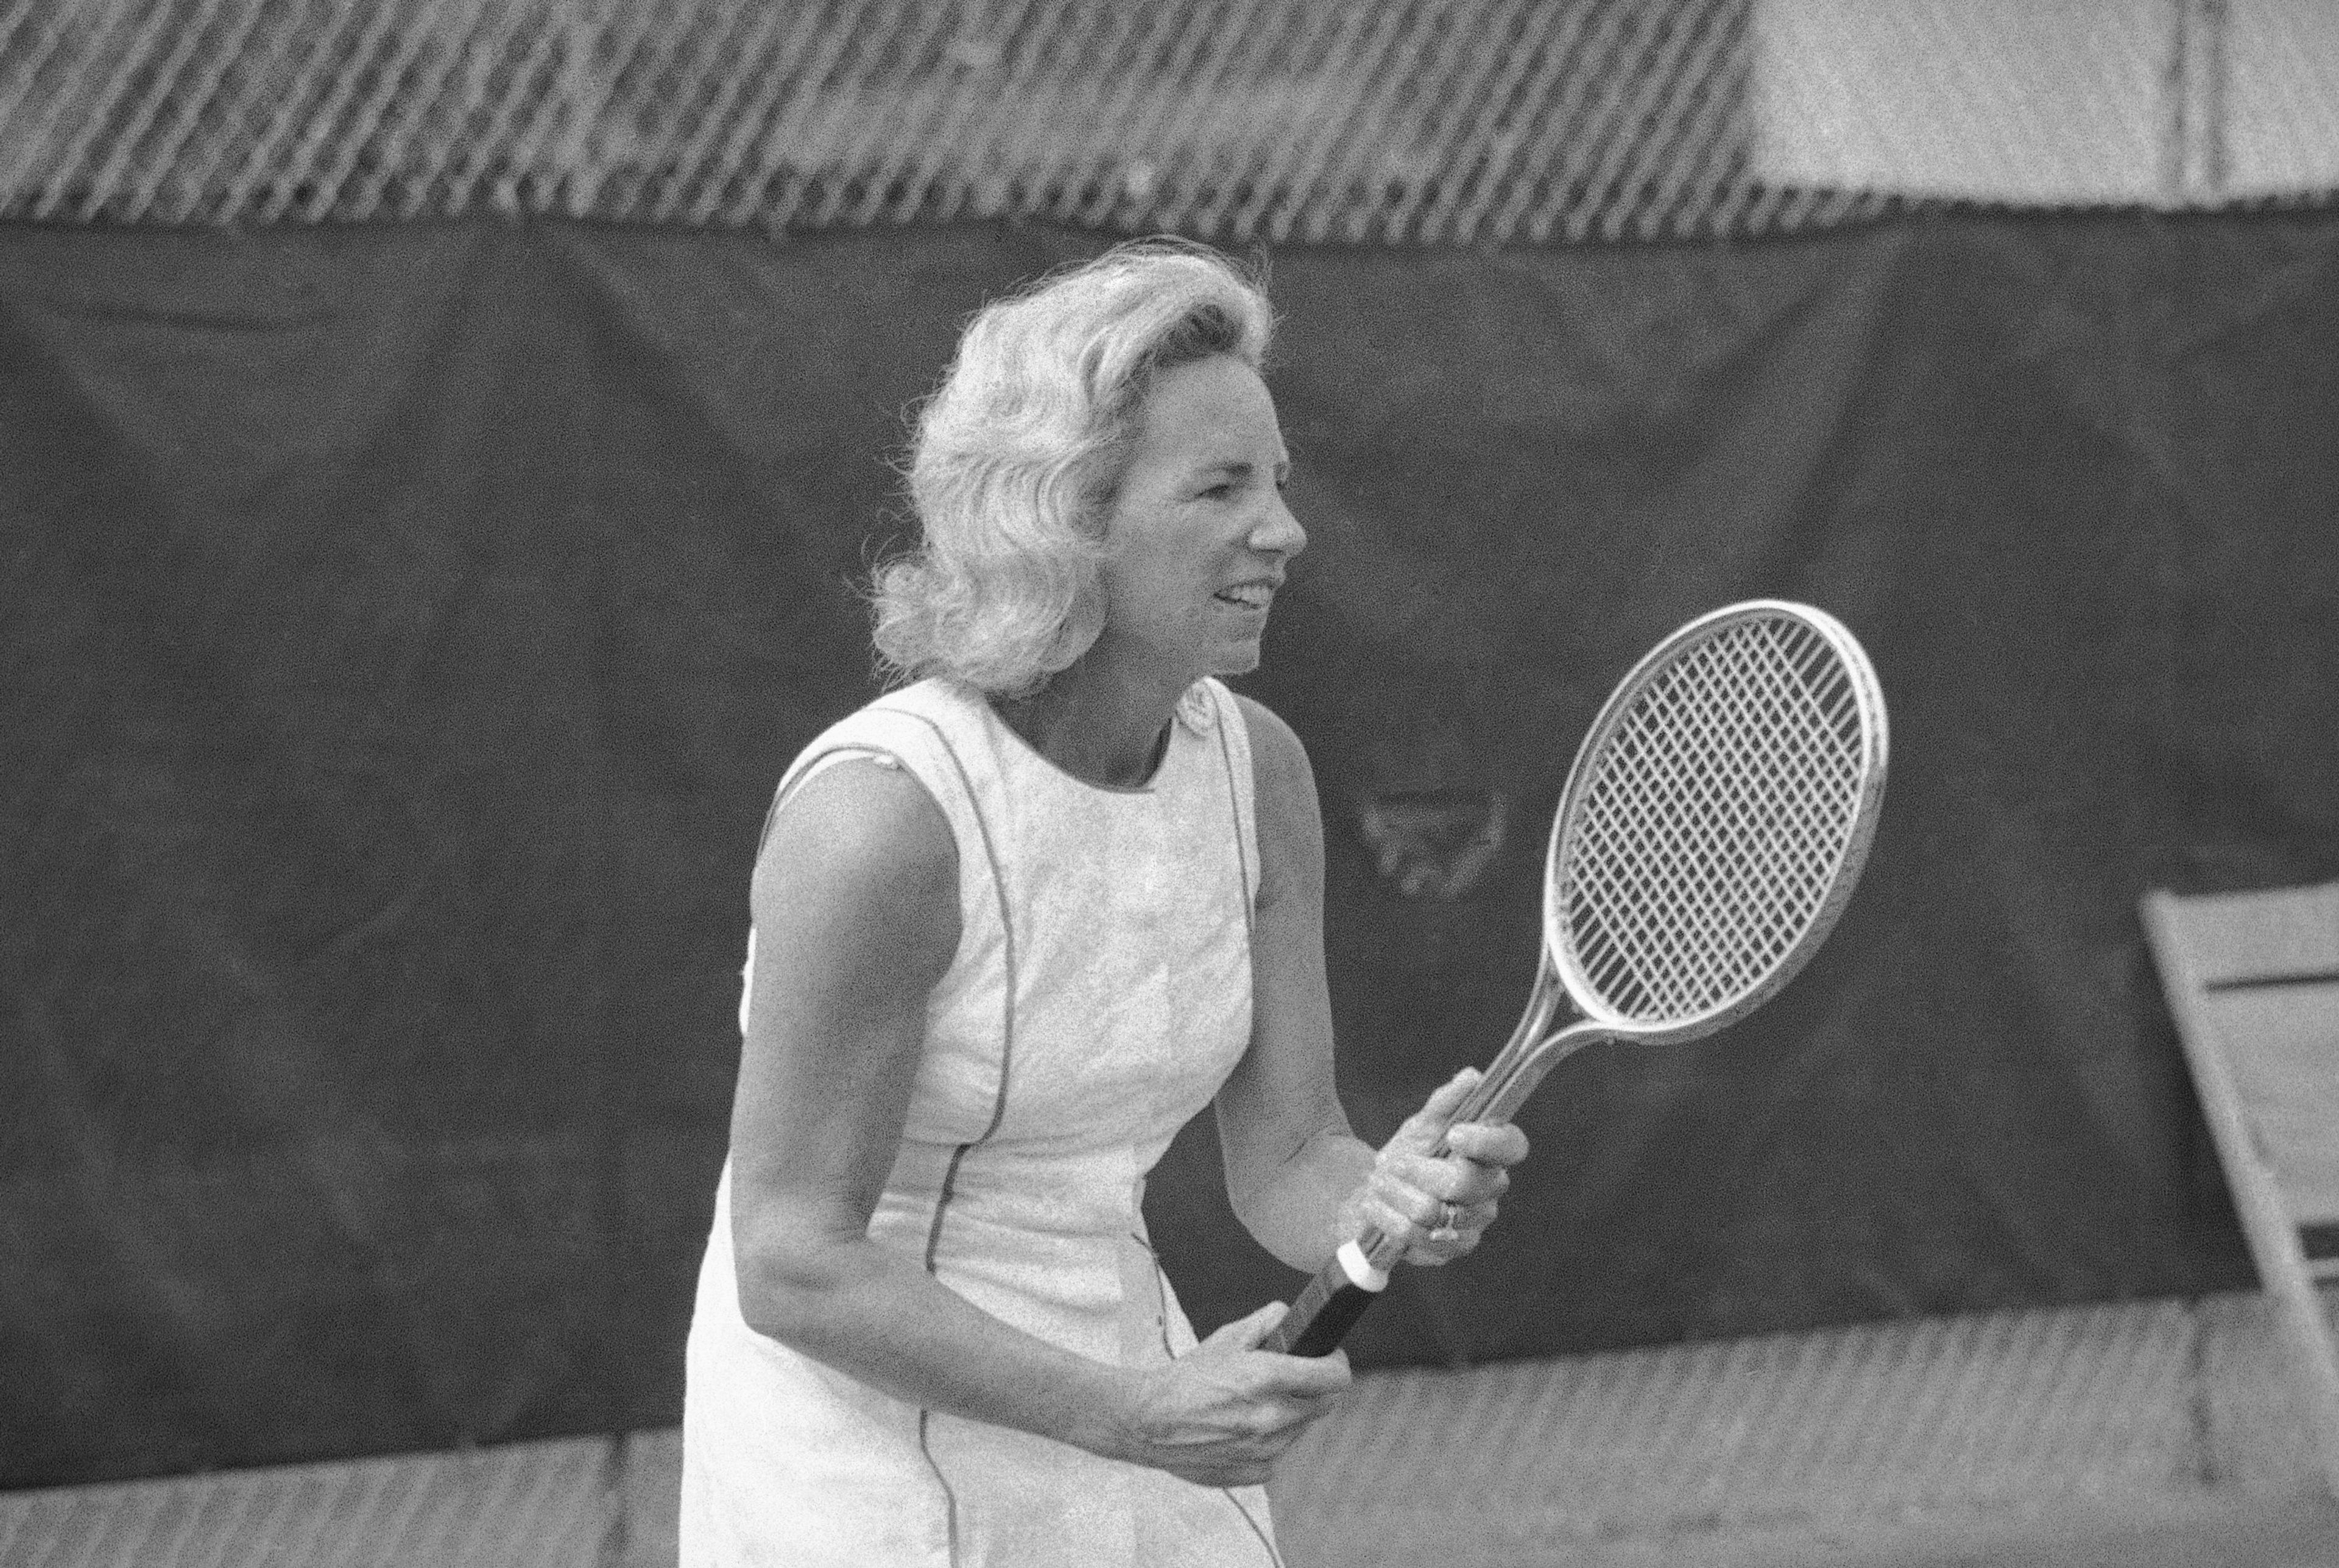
(1220, 491)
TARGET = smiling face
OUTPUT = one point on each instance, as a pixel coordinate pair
(1198, 536)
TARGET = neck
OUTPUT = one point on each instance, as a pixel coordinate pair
(1096, 721)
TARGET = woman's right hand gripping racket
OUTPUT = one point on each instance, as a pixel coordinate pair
(1713, 826)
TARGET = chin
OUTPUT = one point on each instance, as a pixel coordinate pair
(1237, 661)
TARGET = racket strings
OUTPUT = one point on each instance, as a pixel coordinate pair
(1736, 909)
(1708, 838)
(1730, 913)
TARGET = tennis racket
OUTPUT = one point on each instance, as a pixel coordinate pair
(1711, 828)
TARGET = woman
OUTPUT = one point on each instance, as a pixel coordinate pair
(1013, 924)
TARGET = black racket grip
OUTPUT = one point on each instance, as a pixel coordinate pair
(1321, 1315)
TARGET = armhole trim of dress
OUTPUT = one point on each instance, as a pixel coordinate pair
(1230, 713)
(1007, 942)
(806, 767)
(1243, 869)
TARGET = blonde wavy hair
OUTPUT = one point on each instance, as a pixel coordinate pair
(1016, 457)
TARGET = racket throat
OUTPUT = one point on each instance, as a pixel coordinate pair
(1498, 1098)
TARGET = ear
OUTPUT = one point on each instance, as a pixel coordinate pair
(1083, 625)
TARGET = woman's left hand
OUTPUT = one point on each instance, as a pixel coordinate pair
(1437, 1206)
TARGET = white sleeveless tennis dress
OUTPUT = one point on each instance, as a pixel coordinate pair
(1100, 994)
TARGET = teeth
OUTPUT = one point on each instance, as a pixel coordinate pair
(1254, 596)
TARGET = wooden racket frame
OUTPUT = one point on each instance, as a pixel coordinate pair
(1321, 1315)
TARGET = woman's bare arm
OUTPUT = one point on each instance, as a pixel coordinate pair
(1300, 1180)
(856, 904)
(1291, 1160)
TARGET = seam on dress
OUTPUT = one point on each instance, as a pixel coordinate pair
(1160, 1294)
(1222, 700)
(1006, 927)
(1161, 1304)
(1161, 1301)
(999, 1103)
(1264, 1538)
(802, 770)
(950, 1498)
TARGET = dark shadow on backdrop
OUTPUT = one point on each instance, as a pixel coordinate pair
(406, 626)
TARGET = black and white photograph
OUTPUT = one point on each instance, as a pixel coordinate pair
(1170, 784)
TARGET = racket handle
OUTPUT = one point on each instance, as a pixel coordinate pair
(1322, 1315)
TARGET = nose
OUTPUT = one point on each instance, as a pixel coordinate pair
(1277, 532)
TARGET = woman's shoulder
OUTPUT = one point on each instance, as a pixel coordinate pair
(1276, 754)
(863, 786)
(919, 726)
(858, 873)
(933, 703)
(1289, 820)
(1283, 782)
(867, 816)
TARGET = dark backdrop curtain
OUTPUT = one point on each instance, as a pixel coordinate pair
(405, 628)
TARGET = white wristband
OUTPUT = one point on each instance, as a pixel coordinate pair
(1359, 1268)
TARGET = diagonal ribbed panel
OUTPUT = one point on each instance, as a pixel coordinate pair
(1989, 1413)
(2161, 1418)
(528, 1506)
(2255, 1398)
(652, 1487)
